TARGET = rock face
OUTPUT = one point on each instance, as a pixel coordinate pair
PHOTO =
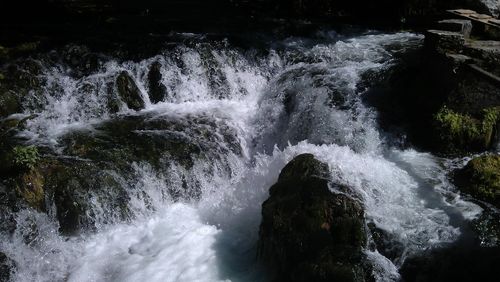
(481, 178)
(309, 233)
(129, 92)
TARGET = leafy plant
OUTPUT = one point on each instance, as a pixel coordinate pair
(25, 156)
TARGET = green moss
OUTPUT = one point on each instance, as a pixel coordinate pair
(481, 178)
(25, 157)
(461, 132)
(31, 188)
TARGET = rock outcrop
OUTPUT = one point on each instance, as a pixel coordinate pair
(309, 233)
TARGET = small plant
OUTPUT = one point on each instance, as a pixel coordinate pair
(466, 132)
(457, 125)
(25, 156)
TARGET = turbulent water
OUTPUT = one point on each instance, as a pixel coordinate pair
(293, 96)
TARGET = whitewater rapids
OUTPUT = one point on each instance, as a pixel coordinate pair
(298, 95)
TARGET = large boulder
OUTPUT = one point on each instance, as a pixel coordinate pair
(481, 178)
(309, 233)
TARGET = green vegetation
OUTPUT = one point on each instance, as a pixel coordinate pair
(481, 178)
(25, 157)
(461, 132)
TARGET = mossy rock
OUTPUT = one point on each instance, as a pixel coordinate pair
(74, 185)
(459, 133)
(309, 233)
(129, 92)
(30, 186)
(481, 178)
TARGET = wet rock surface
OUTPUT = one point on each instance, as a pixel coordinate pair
(309, 233)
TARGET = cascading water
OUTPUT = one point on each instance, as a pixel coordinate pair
(248, 112)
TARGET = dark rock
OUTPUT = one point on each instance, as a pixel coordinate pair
(129, 92)
(157, 90)
(455, 263)
(481, 178)
(75, 185)
(80, 59)
(19, 80)
(9, 102)
(6, 266)
(134, 138)
(386, 244)
(309, 233)
(443, 41)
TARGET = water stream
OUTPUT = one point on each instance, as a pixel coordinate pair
(264, 106)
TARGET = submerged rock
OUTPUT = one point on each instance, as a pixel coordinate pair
(129, 92)
(481, 178)
(309, 233)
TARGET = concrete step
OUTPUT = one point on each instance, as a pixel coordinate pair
(457, 25)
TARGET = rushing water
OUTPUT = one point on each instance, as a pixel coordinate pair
(298, 95)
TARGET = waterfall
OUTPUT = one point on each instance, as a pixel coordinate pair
(247, 112)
